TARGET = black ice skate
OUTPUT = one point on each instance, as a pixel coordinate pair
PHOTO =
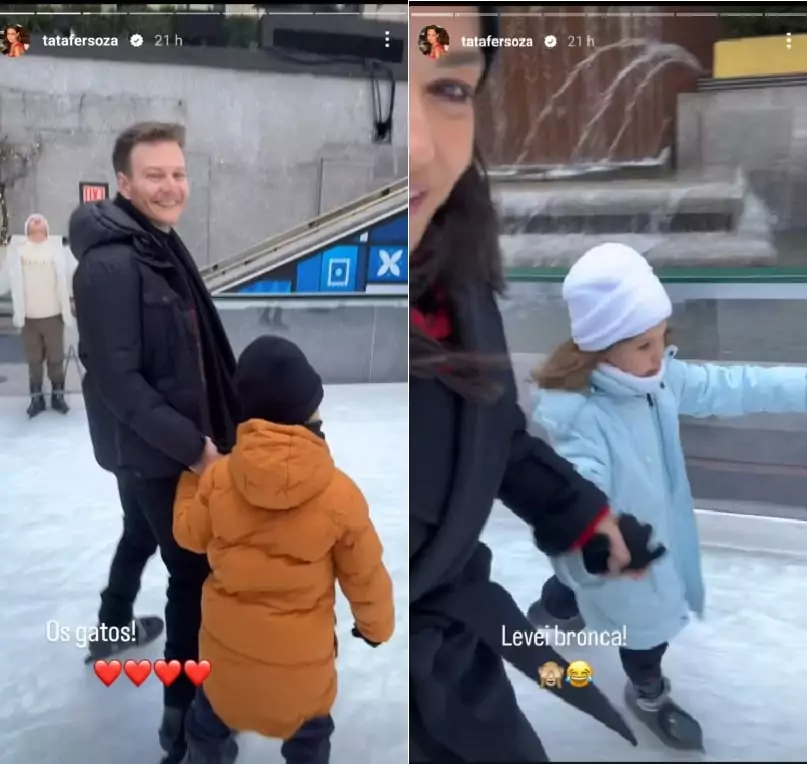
(148, 628)
(37, 404)
(541, 618)
(57, 401)
(665, 719)
(172, 735)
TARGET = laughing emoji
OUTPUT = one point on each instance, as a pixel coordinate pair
(579, 674)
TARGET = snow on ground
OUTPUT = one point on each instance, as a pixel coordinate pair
(59, 522)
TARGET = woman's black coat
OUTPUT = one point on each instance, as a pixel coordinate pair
(463, 456)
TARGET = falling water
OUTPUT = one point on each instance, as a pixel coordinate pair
(574, 113)
(577, 70)
(669, 52)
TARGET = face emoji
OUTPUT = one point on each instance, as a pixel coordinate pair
(551, 675)
(579, 674)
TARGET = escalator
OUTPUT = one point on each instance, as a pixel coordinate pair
(313, 235)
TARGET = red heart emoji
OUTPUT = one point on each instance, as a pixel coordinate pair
(138, 672)
(197, 672)
(167, 672)
(107, 672)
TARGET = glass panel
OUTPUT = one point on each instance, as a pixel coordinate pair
(348, 339)
(754, 464)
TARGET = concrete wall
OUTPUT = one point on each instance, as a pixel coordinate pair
(266, 150)
(348, 341)
(763, 130)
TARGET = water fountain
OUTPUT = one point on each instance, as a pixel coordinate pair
(553, 212)
(684, 221)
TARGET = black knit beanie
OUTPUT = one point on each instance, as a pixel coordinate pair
(276, 383)
(490, 26)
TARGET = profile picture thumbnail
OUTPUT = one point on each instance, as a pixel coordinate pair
(433, 41)
(15, 40)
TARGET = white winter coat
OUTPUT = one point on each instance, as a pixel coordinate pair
(11, 275)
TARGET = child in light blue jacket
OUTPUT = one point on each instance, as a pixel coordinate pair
(609, 400)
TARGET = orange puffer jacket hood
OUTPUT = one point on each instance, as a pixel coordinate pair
(279, 524)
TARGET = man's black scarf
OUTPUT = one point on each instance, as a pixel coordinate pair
(218, 360)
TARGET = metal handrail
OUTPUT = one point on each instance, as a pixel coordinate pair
(315, 234)
(346, 210)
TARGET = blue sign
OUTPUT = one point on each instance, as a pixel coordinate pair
(377, 255)
(339, 268)
(388, 265)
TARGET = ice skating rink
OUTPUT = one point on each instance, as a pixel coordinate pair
(59, 522)
(741, 671)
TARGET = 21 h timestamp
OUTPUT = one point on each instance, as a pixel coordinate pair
(576, 41)
(168, 40)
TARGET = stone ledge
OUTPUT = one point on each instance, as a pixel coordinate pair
(713, 249)
(679, 195)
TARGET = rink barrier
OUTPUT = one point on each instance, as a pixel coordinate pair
(752, 533)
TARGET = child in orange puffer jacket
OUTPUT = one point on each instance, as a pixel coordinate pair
(279, 524)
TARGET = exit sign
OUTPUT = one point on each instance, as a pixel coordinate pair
(93, 192)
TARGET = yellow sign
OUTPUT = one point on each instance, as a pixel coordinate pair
(579, 674)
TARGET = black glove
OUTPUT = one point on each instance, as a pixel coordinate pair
(637, 539)
(356, 633)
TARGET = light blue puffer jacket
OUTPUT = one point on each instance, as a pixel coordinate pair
(627, 442)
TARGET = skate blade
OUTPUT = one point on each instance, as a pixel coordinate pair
(650, 720)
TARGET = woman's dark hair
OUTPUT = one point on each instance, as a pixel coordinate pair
(460, 245)
(22, 37)
(423, 38)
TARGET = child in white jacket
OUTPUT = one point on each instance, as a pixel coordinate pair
(609, 400)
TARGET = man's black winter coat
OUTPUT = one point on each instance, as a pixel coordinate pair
(143, 386)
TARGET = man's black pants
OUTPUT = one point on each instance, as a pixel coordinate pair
(148, 516)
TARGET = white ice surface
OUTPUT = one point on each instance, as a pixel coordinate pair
(59, 522)
(741, 672)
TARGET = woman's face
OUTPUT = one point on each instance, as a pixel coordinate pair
(441, 115)
(431, 35)
(11, 35)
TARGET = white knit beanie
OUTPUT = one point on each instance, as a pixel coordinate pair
(37, 216)
(613, 295)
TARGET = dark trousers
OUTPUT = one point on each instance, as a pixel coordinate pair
(43, 340)
(643, 667)
(148, 516)
(311, 744)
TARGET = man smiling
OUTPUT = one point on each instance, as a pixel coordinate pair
(158, 388)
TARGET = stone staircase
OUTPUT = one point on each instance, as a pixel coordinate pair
(680, 221)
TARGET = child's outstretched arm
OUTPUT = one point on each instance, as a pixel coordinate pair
(192, 526)
(360, 570)
(711, 390)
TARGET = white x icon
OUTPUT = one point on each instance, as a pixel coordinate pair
(389, 262)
